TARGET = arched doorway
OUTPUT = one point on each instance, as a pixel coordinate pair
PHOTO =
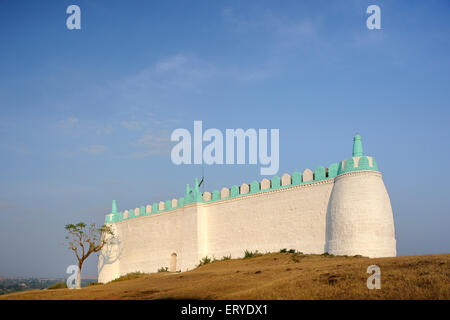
(173, 262)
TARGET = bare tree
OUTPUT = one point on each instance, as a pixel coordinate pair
(84, 240)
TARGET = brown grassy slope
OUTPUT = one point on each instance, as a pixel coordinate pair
(279, 276)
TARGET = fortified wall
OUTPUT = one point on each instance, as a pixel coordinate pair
(343, 210)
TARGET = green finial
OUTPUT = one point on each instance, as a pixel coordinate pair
(196, 184)
(357, 146)
(197, 193)
(114, 207)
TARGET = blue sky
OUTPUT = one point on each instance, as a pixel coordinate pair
(86, 115)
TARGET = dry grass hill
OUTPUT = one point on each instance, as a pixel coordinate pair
(277, 276)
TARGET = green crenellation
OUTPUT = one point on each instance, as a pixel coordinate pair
(320, 173)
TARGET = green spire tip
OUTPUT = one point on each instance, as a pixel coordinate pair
(357, 146)
(114, 207)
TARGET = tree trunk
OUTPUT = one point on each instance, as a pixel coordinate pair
(78, 283)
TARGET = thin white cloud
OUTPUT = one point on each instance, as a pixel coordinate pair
(173, 72)
(282, 32)
(141, 94)
(170, 63)
(271, 22)
(68, 123)
(184, 73)
(132, 125)
(104, 129)
(94, 149)
(153, 143)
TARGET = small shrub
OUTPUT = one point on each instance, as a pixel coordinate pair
(228, 257)
(250, 254)
(205, 260)
(94, 283)
(284, 250)
(129, 276)
(291, 251)
(163, 269)
(58, 285)
(296, 255)
(326, 254)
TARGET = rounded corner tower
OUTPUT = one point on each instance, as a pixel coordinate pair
(360, 219)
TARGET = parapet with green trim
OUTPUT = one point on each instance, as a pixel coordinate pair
(357, 162)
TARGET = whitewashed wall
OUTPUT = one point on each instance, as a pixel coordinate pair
(350, 215)
(269, 221)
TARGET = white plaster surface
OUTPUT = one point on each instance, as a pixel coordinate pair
(348, 215)
(360, 216)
